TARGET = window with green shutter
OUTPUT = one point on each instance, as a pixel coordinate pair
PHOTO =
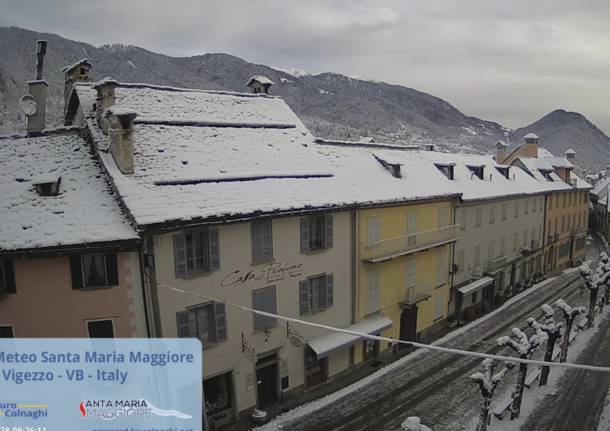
(262, 241)
(264, 300)
(316, 294)
(196, 252)
(206, 322)
(316, 232)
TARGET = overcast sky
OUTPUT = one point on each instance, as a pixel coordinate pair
(510, 61)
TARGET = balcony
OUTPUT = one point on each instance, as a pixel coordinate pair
(578, 231)
(392, 248)
(495, 265)
(416, 294)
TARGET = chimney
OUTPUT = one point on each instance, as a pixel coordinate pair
(121, 137)
(571, 156)
(259, 84)
(531, 145)
(104, 100)
(500, 152)
(76, 72)
(38, 90)
(607, 171)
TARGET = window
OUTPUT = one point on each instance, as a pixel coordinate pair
(541, 204)
(411, 272)
(447, 170)
(477, 255)
(527, 206)
(372, 291)
(533, 233)
(516, 209)
(579, 219)
(7, 277)
(443, 217)
(564, 200)
(373, 234)
(316, 294)
(439, 307)
(208, 322)
(556, 224)
(262, 241)
(525, 238)
(100, 328)
(411, 229)
(477, 171)
(534, 201)
(477, 217)
(492, 214)
(316, 232)
(6, 331)
(556, 201)
(515, 241)
(503, 246)
(441, 266)
(264, 300)
(196, 252)
(461, 255)
(490, 249)
(474, 297)
(563, 223)
(504, 211)
(94, 270)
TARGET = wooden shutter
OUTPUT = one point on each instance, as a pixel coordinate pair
(180, 255)
(182, 323)
(214, 250)
(304, 235)
(221, 321)
(9, 277)
(304, 297)
(112, 274)
(262, 241)
(373, 291)
(258, 303)
(76, 269)
(268, 239)
(329, 290)
(328, 231)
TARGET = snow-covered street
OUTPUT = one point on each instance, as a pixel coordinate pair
(434, 385)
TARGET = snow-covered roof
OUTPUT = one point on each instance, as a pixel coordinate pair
(261, 79)
(531, 136)
(570, 151)
(84, 212)
(206, 155)
(82, 61)
(601, 188)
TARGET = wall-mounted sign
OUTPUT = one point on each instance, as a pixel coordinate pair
(269, 272)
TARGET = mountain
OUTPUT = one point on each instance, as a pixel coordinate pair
(330, 104)
(562, 130)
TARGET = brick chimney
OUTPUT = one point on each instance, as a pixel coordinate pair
(104, 100)
(531, 145)
(76, 72)
(120, 130)
(38, 90)
(259, 84)
(500, 152)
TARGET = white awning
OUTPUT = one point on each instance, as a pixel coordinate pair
(476, 285)
(325, 344)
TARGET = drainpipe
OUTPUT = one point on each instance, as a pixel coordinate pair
(143, 281)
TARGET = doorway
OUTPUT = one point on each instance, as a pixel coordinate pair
(316, 369)
(408, 325)
(267, 380)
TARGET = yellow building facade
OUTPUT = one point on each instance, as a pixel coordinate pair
(403, 264)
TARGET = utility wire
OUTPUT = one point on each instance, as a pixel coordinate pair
(393, 340)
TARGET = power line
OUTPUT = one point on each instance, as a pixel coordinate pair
(447, 350)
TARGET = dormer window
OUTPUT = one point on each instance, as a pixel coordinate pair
(47, 184)
(478, 170)
(446, 169)
(393, 168)
(504, 171)
(546, 174)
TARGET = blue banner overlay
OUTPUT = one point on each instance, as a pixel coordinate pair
(100, 384)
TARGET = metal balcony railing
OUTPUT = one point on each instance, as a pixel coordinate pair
(387, 249)
(417, 294)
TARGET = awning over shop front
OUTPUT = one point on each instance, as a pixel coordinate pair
(327, 343)
(475, 285)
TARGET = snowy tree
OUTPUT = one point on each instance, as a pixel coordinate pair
(524, 347)
(593, 281)
(488, 381)
(552, 329)
(569, 314)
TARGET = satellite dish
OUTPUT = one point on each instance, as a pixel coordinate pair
(27, 104)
